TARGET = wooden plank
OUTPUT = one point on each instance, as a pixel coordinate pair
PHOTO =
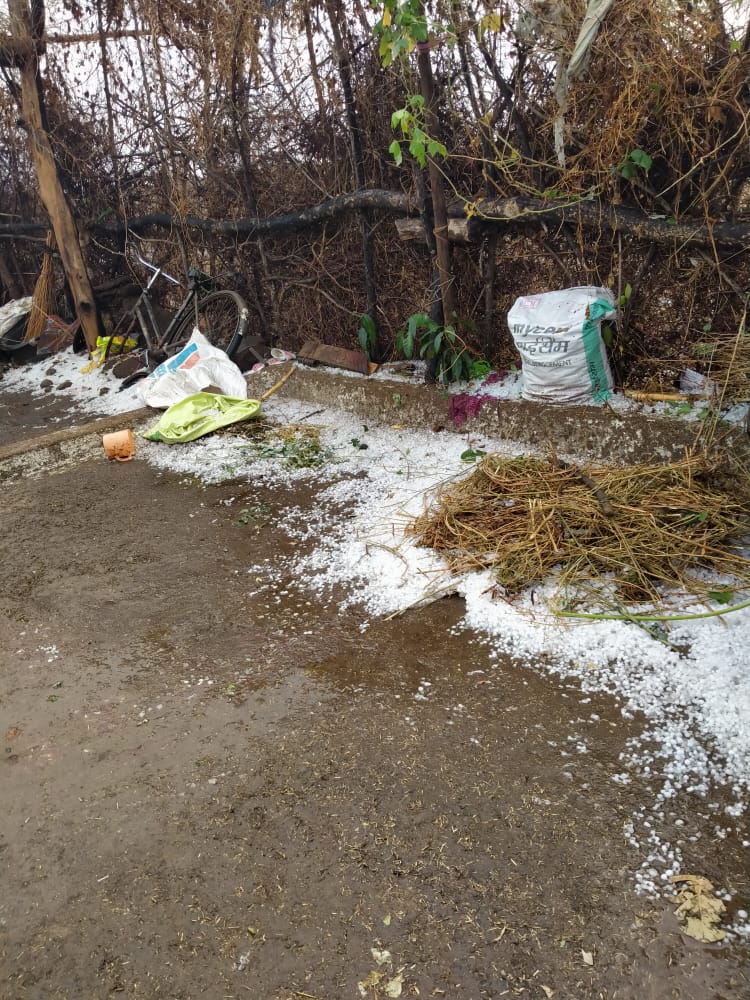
(313, 352)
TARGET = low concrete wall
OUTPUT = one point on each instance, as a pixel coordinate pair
(67, 446)
(596, 434)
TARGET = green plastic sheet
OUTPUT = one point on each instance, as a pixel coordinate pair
(201, 414)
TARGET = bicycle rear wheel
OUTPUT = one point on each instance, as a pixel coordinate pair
(222, 318)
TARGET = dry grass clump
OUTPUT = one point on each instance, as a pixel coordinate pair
(726, 359)
(662, 78)
(644, 527)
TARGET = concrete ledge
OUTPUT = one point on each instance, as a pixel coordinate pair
(597, 434)
(102, 425)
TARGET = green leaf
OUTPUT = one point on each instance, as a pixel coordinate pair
(682, 408)
(721, 596)
(463, 371)
(395, 150)
(419, 321)
(401, 119)
(417, 145)
(436, 149)
(480, 368)
(642, 158)
(367, 323)
(472, 454)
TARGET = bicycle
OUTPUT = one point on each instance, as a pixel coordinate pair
(221, 315)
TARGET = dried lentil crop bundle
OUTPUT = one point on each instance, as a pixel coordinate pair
(644, 527)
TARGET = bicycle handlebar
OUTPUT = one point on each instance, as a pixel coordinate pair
(156, 271)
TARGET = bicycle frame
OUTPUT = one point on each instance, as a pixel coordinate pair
(147, 321)
(218, 313)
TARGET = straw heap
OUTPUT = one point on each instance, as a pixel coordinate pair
(643, 527)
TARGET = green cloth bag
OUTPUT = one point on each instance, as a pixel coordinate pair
(199, 414)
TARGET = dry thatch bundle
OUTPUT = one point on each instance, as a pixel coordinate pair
(644, 527)
(41, 303)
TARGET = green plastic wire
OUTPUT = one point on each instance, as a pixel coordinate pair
(654, 618)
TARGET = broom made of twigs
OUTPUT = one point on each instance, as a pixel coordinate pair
(41, 301)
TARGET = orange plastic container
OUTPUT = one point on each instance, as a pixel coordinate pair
(119, 445)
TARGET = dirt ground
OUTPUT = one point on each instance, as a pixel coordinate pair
(214, 785)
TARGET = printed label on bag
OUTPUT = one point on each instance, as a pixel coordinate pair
(542, 345)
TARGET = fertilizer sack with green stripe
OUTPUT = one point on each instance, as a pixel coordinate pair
(558, 335)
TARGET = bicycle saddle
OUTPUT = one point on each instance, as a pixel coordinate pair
(201, 279)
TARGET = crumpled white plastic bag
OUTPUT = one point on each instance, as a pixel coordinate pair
(12, 311)
(198, 365)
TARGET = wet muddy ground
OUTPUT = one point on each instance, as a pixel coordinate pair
(23, 417)
(217, 785)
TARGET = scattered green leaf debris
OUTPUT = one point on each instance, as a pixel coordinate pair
(258, 515)
(294, 445)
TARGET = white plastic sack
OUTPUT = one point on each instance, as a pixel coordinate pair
(558, 335)
(12, 311)
(198, 365)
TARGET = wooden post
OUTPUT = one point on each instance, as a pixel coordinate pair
(24, 54)
(437, 189)
(335, 15)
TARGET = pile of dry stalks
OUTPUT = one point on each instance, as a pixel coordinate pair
(726, 360)
(642, 529)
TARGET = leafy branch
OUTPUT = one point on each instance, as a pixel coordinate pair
(435, 343)
(410, 121)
